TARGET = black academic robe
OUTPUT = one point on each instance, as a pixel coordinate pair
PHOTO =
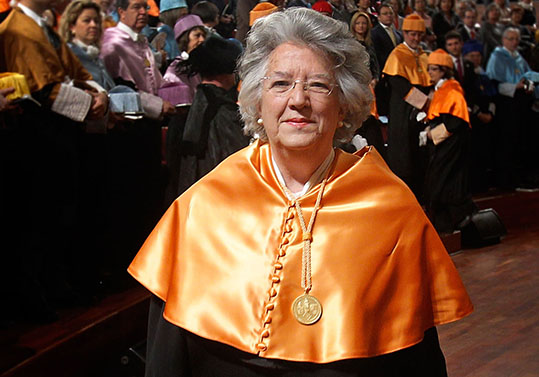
(175, 352)
(404, 156)
(212, 133)
(447, 189)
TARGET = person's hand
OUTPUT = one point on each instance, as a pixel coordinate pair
(168, 108)
(521, 84)
(163, 56)
(99, 105)
(5, 104)
(485, 117)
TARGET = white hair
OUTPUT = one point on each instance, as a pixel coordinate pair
(326, 36)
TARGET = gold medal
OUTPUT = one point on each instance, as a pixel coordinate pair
(307, 309)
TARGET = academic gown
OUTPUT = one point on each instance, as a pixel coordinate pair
(517, 133)
(447, 188)
(212, 132)
(405, 71)
(226, 259)
(41, 170)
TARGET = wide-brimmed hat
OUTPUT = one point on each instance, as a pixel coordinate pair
(214, 56)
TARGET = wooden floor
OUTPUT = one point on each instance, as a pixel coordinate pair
(501, 337)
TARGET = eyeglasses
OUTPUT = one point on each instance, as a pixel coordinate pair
(279, 86)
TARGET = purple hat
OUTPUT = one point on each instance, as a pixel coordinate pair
(186, 23)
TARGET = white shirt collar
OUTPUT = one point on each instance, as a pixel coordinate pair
(33, 15)
(316, 178)
(439, 84)
(411, 49)
(133, 34)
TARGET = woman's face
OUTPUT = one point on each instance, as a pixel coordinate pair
(493, 16)
(420, 5)
(445, 5)
(87, 27)
(435, 73)
(361, 26)
(364, 4)
(516, 17)
(196, 37)
(299, 120)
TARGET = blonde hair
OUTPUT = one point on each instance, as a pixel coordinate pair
(368, 39)
(72, 13)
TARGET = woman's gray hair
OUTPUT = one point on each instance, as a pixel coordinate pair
(322, 34)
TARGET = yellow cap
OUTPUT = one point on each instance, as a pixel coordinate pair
(261, 10)
(440, 57)
(413, 22)
(14, 80)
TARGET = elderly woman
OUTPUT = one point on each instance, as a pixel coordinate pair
(268, 265)
(80, 27)
(447, 190)
(361, 26)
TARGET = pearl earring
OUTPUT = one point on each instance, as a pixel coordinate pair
(340, 123)
(260, 121)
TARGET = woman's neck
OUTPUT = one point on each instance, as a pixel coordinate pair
(297, 167)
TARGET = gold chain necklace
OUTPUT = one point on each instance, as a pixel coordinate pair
(306, 308)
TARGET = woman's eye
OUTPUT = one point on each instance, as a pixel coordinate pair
(281, 84)
(319, 85)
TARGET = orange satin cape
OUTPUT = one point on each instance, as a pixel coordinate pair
(25, 49)
(226, 258)
(449, 99)
(413, 67)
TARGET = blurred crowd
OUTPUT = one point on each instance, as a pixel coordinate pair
(110, 110)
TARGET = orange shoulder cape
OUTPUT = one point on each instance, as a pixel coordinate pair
(449, 99)
(413, 67)
(25, 49)
(226, 258)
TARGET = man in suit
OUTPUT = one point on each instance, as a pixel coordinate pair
(453, 45)
(384, 35)
(467, 28)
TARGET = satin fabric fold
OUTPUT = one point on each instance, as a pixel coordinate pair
(226, 258)
(405, 63)
(449, 99)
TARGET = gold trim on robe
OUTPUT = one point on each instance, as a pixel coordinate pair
(226, 258)
(449, 99)
(413, 67)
